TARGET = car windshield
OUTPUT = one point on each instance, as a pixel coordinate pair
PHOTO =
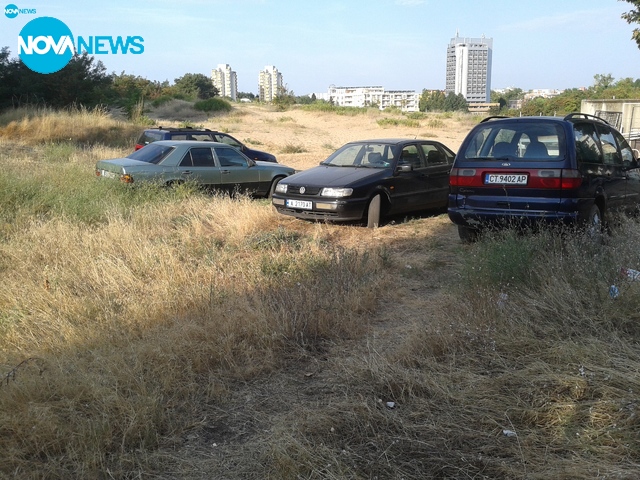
(516, 140)
(152, 153)
(369, 155)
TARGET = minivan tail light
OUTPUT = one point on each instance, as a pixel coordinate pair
(571, 179)
(462, 177)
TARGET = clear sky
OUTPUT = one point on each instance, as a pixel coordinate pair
(397, 44)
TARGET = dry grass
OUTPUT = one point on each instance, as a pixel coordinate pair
(169, 334)
(78, 125)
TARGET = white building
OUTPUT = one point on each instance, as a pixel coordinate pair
(406, 100)
(226, 81)
(269, 83)
(469, 68)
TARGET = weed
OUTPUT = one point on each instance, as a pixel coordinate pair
(291, 148)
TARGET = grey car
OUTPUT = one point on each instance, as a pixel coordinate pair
(210, 164)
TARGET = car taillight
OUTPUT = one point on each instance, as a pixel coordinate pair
(126, 178)
(462, 177)
(138, 147)
(571, 179)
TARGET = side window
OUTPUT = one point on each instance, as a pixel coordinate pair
(411, 156)
(201, 137)
(150, 137)
(230, 157)
(179, 136)
(625, 149)
(433, 155)
(198, 157)
(587, 149)
(609, 146)
(229, 140)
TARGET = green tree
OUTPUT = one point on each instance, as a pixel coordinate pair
(633, 16)
(82, 81)
(431, 101)
(196, 86)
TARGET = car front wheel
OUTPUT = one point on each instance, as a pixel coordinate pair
(373, 212)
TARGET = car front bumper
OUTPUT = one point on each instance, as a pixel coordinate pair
(322, 209)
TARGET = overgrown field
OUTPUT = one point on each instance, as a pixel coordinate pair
(151, 333)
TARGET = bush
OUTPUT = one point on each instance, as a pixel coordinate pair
(213, 105)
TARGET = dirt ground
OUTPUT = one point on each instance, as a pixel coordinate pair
(319, 134)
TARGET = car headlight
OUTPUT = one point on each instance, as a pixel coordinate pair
(336, 192)
(281, 187)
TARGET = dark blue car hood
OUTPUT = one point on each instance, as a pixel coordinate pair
(324, 176)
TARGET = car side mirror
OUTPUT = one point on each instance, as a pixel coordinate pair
(404, 168)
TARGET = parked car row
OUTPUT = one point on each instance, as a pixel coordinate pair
(526, 170)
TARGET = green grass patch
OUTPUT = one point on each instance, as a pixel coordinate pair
(291, 148)
(396, 122)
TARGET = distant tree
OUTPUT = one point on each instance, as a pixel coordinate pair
(431, 100)
(196, 86)
(455, 103)
(284, 98)
(313, 97)
(248, 95)
(633, 16)
(602, 81)
(82, 81)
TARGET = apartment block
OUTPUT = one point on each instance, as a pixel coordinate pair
(269, 83)
(226, 81)
(406, 100)
(469, 68)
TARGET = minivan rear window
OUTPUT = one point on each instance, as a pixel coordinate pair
(516, 140)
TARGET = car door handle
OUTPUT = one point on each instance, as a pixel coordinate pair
(187, 172)
(225, 172)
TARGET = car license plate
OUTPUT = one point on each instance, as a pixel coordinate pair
(505, 179)
(304, 204)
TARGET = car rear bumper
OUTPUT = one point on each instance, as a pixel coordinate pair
(475, 218)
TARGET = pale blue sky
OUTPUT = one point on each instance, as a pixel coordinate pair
(397, 44)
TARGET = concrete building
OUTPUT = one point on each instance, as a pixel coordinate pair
(469, 68)
(406, 100)
(269, 83)
(226, 81)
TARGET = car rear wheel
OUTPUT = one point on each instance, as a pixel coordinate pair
(467, 234)
(373, 212)
(594, 224)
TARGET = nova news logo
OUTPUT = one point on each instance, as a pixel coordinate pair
(12, 11)
(46, 45)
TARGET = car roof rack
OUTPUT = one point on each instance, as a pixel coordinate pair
(180, 129)
(585, 116)
(493, 117)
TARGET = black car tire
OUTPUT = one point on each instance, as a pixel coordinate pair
(274, 184)
(468, 234)
(373, 211)
(595, 224)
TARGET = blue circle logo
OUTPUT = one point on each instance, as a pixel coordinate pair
(11, 10)
(45, 45)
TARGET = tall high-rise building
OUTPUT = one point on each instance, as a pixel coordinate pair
(469, 68)
(269, 83)
(226, 81)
